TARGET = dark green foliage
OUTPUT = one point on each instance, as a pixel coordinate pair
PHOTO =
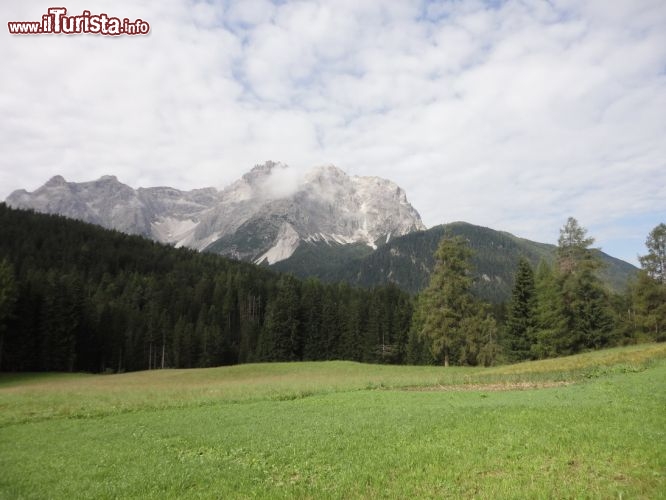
(8, 293)
(521, 321)
(78, 297)
(587, 312)
(311, 301)
(281, 336)
(84, 298)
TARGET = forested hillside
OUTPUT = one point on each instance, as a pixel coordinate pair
(76, 297)
(79, 297)
(408, 261)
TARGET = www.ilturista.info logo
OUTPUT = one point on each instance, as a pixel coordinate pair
(57, 22)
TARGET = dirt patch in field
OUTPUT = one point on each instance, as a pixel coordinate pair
(511, 386)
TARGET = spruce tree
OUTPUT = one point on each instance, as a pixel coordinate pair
(521, 320)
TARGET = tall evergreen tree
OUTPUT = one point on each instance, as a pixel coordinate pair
(587, 314)
(522, 315)
(648, 293)
(447, 300)
(448, 318)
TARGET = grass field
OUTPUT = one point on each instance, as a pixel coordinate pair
(587, 426)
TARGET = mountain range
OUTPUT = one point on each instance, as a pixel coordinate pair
(262, 217)
(325, 224)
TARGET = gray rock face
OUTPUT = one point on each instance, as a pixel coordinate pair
(263, 216)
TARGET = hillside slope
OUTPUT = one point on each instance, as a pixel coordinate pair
(91, 299)
(408, 260)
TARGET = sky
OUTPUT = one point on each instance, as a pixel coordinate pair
(509, 114)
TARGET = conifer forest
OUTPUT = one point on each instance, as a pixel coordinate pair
(76, 297)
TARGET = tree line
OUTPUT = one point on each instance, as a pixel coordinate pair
(554, 310)
(76, 297)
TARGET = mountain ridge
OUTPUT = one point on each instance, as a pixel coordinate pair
(325, 224)
(407, 261)
(281, 208)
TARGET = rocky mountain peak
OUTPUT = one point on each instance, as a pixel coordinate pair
(261, 171)
(55, 181)
(263, 216)
(108, 178)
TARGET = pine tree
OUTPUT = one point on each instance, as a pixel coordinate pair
(522, 316)
(446, 300)
(455, 328)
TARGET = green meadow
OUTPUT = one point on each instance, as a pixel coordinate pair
(586, 426)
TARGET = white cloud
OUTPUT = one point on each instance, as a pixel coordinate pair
(250, 12)
(513, 114)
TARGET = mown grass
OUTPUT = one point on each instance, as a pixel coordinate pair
(37, 396)
(323, 430)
